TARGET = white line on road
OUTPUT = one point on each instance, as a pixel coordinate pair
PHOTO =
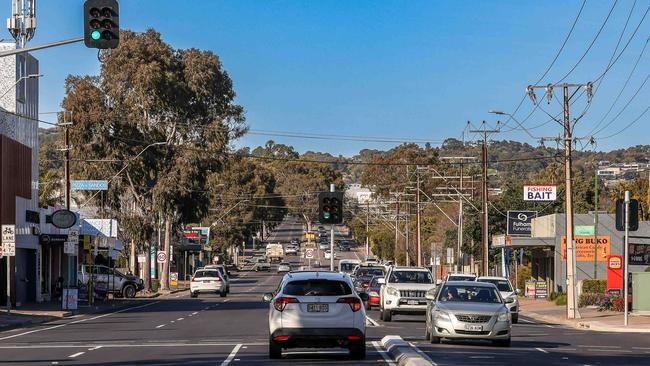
(160, 326)
(590, 346)
(232, 355)
(131, 345)
(76, 355)
(194, 313)
(179, 319)
(421, 353)
(541, 350)
(372, 321)
(79, 321)
(94, 348)
(527, 321)
(644, 348)
(481, 357)
(383, 353)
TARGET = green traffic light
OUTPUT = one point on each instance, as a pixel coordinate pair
(95, 35)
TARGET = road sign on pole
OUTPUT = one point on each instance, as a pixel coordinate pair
(161, 256)
(309, 253)
(8, 234)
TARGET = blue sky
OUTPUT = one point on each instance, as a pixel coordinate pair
(398, 69)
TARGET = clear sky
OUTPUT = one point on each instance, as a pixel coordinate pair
(398, 69)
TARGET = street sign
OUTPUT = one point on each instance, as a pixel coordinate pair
(173, 278)
(9, 249)
(8, 233)
(70, 248)
(309, 253)
(89, 185)
(519, 223)
(450, 255)
(73, 236)
(141, 258)
(540, 193)
(161, 256)
(63, 219)
(584, 230)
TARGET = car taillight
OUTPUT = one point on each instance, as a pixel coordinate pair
(365, 285)
(355, 303)
(281, 302)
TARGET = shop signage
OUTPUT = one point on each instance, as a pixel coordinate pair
(64, 219)
(639, 254)
(519, 223)
(173, 279)
(541, 289)
(540, 193)
(614, 273)
(141, 258)
(584, 230)
(89, 185)
(585, 248)
(53, 238)
(530, 288)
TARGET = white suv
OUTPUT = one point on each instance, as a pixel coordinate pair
(404, 290)
(506, 290)
(316, 310)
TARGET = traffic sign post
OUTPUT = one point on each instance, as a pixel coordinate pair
(8, 239)
(161, 256)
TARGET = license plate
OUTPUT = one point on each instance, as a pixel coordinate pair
(412, 302)
(474, 328)
(208, 281)
(318, 308)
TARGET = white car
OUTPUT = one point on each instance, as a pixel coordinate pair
(284, 267)
(328, 254)
(507, 292)
(291, 250)
(224, 273)
(316, 310)
(207, 281)
(460, 277)
(404, 290)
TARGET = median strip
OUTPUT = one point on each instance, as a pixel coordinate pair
(404, 353)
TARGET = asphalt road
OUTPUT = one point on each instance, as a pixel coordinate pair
(210, 330)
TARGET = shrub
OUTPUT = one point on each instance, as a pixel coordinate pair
(523, 273)
(612, 303)
(552, 296)
(588, 299)
(560, 299)
(647, 269)
(618, 304)
(596, 286)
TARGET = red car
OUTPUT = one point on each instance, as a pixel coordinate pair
(374, 297)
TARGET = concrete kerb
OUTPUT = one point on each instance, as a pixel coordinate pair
(403, 353)
(585, 325)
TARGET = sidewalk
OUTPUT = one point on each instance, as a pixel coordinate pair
(591, 319)
(38, 313)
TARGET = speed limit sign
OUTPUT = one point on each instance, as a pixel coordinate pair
(161, 256)
(309, 253)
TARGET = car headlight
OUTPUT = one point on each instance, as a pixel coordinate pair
(504, 317)
(392, 291)
(441, 315)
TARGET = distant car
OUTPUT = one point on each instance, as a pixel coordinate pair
(261, 264)
(224, 273)
(344, 246)
(207, 280)
(316, 310)
(284, 267)
(363, 274)
(290, 250)
(460, 277)
(348, 265)
(328, 254)
(374, 293)
(324, 246)
(371, 259)
(507, 292)
(468, 310)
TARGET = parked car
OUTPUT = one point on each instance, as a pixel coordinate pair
(290, 250)
(507, 292)
(344, 246)
(284, 267)
(207, 281)
(118, 283)
(224, 273)
(316, 310)
(373, 290)
(468, 310)
(460, 277)
(404, 290)
(261, 264)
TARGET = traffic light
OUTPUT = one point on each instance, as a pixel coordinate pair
(101, 24)
(620, 215)
(330, 207)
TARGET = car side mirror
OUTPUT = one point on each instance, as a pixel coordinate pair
(364, 296)
(518, 291)
(509, 300)
(267, 297)
(381, 281)
(438, 281)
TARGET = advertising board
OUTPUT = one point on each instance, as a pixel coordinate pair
(540, 193)
(585, 248)
(519, 223)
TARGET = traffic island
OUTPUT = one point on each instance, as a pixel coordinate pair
(403, 352)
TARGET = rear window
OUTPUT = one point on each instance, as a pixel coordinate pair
(502, 285)
(317, 288)
(461, 278)
(370, 272)
(211, 273)
(347, 267)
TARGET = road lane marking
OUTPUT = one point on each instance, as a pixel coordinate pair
(131, 345)
(527, 321)
(232, 355)
(648, 348)
(194, 313)
(590, 346)
(421, 353)
(160, 326)
(486, 357)
(76, 355)
(94, 348)
(541, 350)
(78, 321)
(372, 321)
(383, 354)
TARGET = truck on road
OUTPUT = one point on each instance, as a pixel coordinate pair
(274, 252)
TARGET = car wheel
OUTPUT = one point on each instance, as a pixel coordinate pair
(433, 339)
(129, 291)
(427, 334)
(222, 293)
(257, 269)
(358, 350)
(502, 342)
(515, 318)
(228, 289)
(387, 316)
(275, 351)
(194, 294)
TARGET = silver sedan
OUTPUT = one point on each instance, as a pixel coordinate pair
(468, 310)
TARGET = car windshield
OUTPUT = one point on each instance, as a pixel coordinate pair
(284, 264)
(206, 273)
(347, 267)
(317, 287)
(461, 278)
(411, 277)
(370, 272)
(374, 282)
(469, 293)
(502, 285)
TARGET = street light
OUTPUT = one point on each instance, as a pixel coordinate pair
(32, 76)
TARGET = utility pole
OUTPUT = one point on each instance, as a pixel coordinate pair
(572, 303)
(417, 217)
(596, 223)
(485, 132)
(367, 227)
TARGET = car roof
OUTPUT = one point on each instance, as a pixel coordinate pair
(308, 275)
(349, 261)
(461, 275)
(406, 268)
(492, 278)
(464, 283)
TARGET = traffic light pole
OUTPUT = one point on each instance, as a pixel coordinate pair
(40, 47)
(332, 189)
